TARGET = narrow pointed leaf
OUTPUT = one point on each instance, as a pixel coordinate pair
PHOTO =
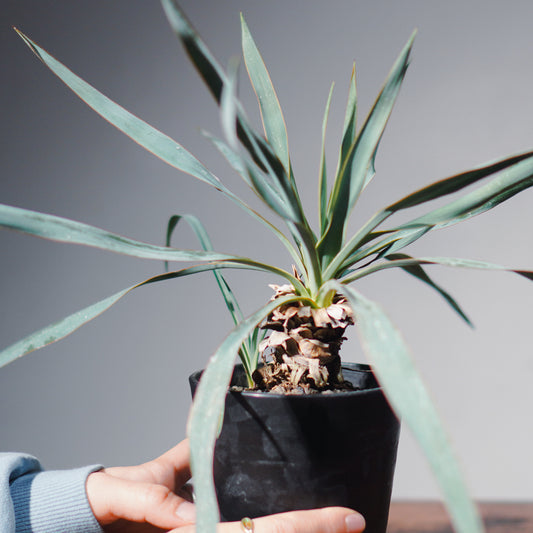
(208, 67)
(238, 164)
(476, 203)
(271, 114)
(405, 239)
(215, 78)
(515, 175)
(354, 168)
(407, 394)
(69, 231)
(231, 156)
(349, 133)
(64, 230)
(510, 181)
(207, 412)
(228, 104)
(264, 186)
(201, 233)
(323, 179)
(393, 241)
(61, 329)
(285, 202)
(456, 183)
(142, 133)
(248, 352)
(402, 260)
(418, 272)
(145, 135)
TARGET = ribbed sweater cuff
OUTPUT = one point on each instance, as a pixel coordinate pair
(54, 502)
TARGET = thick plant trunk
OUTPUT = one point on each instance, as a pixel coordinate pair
(304, 347)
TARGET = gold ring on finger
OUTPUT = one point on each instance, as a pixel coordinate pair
(247, 525)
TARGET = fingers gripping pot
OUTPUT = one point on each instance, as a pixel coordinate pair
(280, 452)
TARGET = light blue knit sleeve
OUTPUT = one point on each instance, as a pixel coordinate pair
(36, 501)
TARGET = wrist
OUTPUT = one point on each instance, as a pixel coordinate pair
(54, 502)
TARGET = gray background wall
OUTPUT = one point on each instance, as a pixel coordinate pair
(115, 392)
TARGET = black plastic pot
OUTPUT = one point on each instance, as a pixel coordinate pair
(280, 453)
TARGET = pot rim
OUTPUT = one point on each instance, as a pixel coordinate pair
(358, 367)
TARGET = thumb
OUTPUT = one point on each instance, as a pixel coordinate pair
(112, 498)
(327, 520)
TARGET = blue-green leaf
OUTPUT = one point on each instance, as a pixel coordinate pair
(70, 231)
(249, 350)
(283, 200)
(61, 329)
(354, 168)
(266, 185)
(402, 261)
(515, 175)
(142, 133)
(322, 181)
(202, 235)
(407, 394)
(418, 272)
(207, 412)
(271, 114)
(509, 182)
(216, 79)
(349, 133)
(455, 183)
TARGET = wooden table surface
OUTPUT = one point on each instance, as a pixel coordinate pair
(431, 517)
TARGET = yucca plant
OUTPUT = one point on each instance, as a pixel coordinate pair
(317, 297)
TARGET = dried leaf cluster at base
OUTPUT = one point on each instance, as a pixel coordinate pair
(304, 346)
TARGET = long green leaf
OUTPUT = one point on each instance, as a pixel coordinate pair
(271, 114)
(407, 261)
(407, 394)
(206, 414)
(264, 185)
(418, 272)
(294, 218)
(239, 165)
(516, 174)
(148, 137)
(322, 180)
(142, 133)
(510, 183)
(248, 352)
(215, 78)
(349, 133)
(455, 183)
(69, 231)
(354, 168)
(394, 241)
(259, 150)
(201, 233)
(206, 64)
(506, 185)
(61, 329)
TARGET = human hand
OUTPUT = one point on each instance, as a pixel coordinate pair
(327, 520)
(149, 498)
(144, 498)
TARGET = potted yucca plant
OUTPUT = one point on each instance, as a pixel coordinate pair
(314, 300)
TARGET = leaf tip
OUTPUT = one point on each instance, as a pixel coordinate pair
(244, 26)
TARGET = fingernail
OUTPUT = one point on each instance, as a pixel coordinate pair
(355, 523)
(187, 512)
